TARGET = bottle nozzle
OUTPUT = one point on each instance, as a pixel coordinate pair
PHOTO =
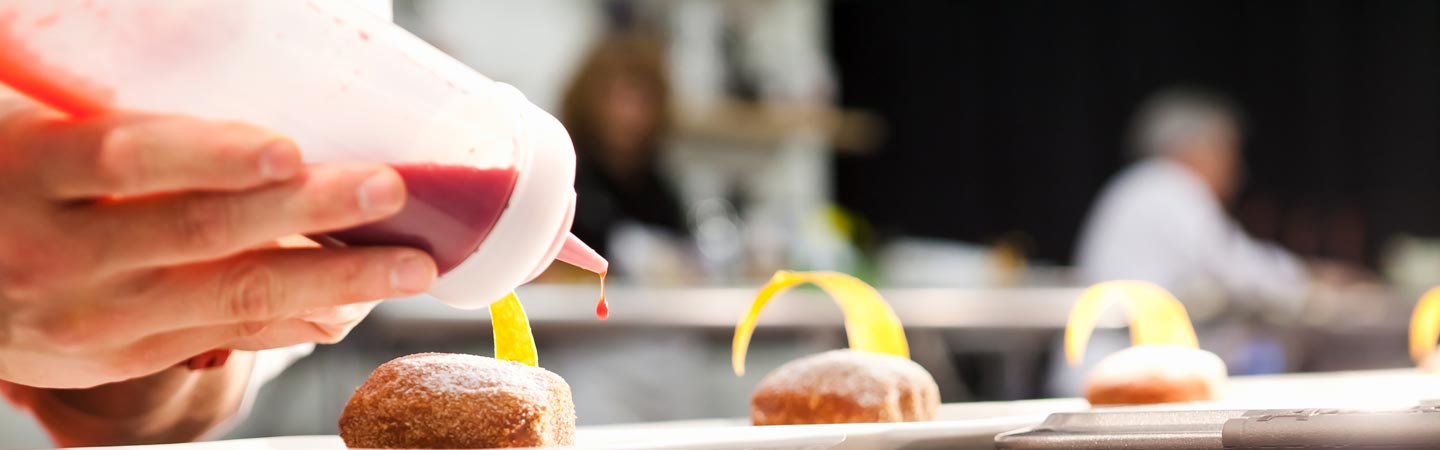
(574, 252)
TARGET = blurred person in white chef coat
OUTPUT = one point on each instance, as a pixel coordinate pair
(130, 243)
(1163, 219)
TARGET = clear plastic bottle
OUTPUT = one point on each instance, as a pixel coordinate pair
(490, 175)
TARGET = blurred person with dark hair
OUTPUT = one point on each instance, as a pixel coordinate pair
(617, 109)
(1164, 220)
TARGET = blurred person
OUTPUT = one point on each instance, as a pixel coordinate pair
(1164, 219)
(617, 109)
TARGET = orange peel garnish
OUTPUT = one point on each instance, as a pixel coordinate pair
(1425, 326)
(513, 340)
(870, 324)
(1156, 317)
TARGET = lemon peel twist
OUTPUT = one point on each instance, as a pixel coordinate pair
(1156, 316)
(1425, 326)
(870, 323)
(513, 339)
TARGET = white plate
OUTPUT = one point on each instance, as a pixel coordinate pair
(939, 434)
(960, 426)
(870, 436)
(275, 443)
(1369, 389)
(708, 439)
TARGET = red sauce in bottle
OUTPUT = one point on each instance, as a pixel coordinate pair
(448, 211)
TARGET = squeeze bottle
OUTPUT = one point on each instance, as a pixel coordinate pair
(490, 175)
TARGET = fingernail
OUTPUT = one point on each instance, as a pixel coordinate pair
(383, 192)
(412, 274)
(279, 161)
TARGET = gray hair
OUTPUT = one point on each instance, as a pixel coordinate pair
(1176, 115)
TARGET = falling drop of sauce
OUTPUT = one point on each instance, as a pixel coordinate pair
(602, 309)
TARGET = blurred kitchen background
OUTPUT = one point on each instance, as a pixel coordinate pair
(949, 152)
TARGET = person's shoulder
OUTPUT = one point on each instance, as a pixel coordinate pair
(1142, 182)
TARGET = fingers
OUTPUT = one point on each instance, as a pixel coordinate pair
(340, 314)
(166, 230)
(160, 351)
(290, 332)
(131, 154)
(323, 326)
(264, 299)
(266, 286)
(16, 394)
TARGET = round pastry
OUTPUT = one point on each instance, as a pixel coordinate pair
(845, 386)
(452, 401)
(1431, 364)
(1146, 374)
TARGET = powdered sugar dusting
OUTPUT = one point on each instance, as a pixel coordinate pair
(1162, 361)
(446, 373)
(869, 379)
(1431, 364)
(434, 400)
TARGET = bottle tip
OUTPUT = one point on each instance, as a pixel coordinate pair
(576, 253)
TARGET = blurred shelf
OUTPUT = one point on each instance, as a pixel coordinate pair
(1363, 309)
(1372, 311)
(720, 308)
(847, 130)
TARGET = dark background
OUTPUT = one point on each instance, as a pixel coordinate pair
(1009, 116)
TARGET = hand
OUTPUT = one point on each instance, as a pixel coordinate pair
(324, 325)
(173, 405)
(131, 242)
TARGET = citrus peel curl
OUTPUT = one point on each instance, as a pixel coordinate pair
(513, 340)
(1425, 326)
(870, 323)
(1156, 316)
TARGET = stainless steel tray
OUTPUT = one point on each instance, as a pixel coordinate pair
(1414, 428)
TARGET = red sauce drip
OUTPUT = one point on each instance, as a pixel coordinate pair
(448, 211)
(602, 309)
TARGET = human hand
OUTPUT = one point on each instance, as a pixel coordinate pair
(131, 242)
(323, 325)
(173, 405)
(326, 325)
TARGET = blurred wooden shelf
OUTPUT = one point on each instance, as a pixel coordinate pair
(758, 123)
(720, 308)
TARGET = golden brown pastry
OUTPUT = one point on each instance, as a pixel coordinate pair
(453, 401)
(845, 386)
(1147, 374)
